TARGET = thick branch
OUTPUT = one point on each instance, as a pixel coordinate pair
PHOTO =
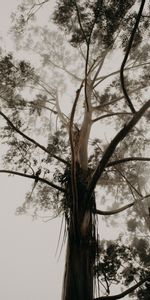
(113, 212)
(112, 146)
(30, 139)
(123, 294)
(126, 57)
(35, 177)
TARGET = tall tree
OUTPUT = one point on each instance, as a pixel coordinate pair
(75, 169)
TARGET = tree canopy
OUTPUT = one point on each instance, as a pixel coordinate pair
(77, 124)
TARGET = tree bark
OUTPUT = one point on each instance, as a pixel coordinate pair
(81, 249)
(78, 278)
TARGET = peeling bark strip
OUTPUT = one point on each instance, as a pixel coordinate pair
(111, 148)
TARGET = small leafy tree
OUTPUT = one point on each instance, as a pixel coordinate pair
(75, 171)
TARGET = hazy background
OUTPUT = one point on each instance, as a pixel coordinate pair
(29, 269)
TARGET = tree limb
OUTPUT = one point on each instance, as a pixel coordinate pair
(111, 148)
(100, 67)
(59, 188)
(63, 68)
(60, 113)
(128, 182)
(127, 159)
(30, 139)
(110, 115)
(102, 78)
(112, 212)
(98, 107)
(80, 24)
(126, 57)
(118, 210)
(123, 294)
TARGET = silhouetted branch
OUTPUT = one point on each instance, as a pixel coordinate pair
(123, 294)
(30, 139)
(118, 210)
(112, 212)
(59, 188)
(127, 159)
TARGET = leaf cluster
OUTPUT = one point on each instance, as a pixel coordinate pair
(123, 264)
(91, 21)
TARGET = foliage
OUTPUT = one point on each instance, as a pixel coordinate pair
(50, 113)
(124, 264)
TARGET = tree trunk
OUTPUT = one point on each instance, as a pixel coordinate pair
(81, 250)
(78, 278)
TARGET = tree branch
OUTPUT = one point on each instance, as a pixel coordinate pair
(126, 57)
(80, 24)
(110, 115)
(98, 107)
(100, 66)
(127, 159)
(33, 10)
(63, 68)
(111, 148)
(123, 294)
(35, 177)
(60, 113)
(102, 78)
(118, 210)
(113, 212)
(30, 139)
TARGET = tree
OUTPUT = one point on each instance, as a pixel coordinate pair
(73, 175)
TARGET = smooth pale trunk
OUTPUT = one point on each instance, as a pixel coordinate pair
(78, 277)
